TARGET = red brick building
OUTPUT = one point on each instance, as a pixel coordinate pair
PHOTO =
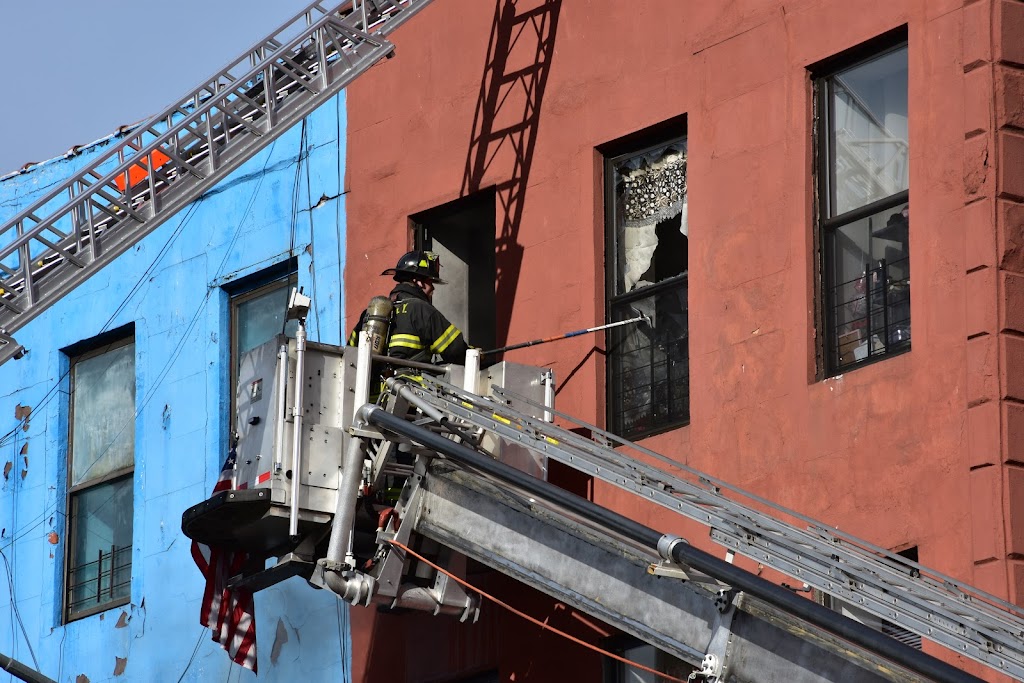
(741, 173)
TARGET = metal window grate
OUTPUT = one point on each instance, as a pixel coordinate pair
(649, 362)
(871, 314)
(105, 580)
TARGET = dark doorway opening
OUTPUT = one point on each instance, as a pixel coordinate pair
(462, 233)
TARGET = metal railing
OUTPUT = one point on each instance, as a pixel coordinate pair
(649, 363)
(105, 580)
(870, 314)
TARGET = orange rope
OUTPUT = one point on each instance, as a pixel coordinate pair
(534, 620)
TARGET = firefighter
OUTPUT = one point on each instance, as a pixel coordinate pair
(418, 331)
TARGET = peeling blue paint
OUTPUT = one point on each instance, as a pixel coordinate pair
(170, 287)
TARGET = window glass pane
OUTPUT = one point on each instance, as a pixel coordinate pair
(260, 318)
(649, 363)
(103, 414)
(870, 298)
(650, 216)
(869, 132)
(101, 559)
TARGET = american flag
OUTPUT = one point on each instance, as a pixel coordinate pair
(229, 613)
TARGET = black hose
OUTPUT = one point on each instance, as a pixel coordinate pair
(683, 553)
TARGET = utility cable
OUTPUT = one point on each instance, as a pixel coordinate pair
(18, 534)
(534, 620)
(293, 219)
(337, 219)
(173, 356)
(312, 241)
(193, 657)
(135, 288)
(17, 612)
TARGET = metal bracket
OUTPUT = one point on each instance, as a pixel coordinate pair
(9, 348)
(389, 574)
(683, 573)
(715, 666)
(444, 595)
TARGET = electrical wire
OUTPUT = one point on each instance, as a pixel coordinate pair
(60, 654)
(191, 325)
(135, 288)
(17, 534)
(294, 218)
(534, 620)
(17, 612)
(35, 522)
(193, 657)
(312, 240)
(337, 219)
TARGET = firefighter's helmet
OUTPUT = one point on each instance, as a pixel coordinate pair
(423, 264)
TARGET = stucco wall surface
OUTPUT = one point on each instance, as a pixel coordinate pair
(891, 451)
(286, 200)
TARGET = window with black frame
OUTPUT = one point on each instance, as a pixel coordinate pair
(863, 195)
(101, 464)
(648, 363)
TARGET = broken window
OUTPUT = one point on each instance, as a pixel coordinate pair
(863, 197)
(648, 362)
(101, 466)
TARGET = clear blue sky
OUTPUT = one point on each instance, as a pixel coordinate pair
(75, 71)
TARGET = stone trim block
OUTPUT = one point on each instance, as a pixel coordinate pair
(980, 231)
(982, 367)
(1011, 301)
(985, 502)
(976, 35)
(981, 294)
(1010, 235)
(1010, 27)
(1011, 162)
(1009, 88)
(1011, 367)
(1013, 432)
(983, 435)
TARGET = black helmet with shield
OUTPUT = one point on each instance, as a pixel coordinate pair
(418, 264)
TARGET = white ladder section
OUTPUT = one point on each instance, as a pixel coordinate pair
(964, 619)
(168, 162)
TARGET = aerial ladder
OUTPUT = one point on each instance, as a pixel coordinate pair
(469, 449)
(162, 165)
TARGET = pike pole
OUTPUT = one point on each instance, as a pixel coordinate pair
(545, 340)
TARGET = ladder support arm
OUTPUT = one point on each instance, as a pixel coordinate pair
(815, 614)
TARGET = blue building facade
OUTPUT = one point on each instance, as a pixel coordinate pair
(177, 308)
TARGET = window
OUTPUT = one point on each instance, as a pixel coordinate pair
(258, 307)
(648, 370)
(100, 472)
(864, 210)
(462, 234)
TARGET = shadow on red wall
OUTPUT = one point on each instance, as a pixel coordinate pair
(505, 124)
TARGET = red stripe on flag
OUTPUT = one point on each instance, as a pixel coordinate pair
(230, 614)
